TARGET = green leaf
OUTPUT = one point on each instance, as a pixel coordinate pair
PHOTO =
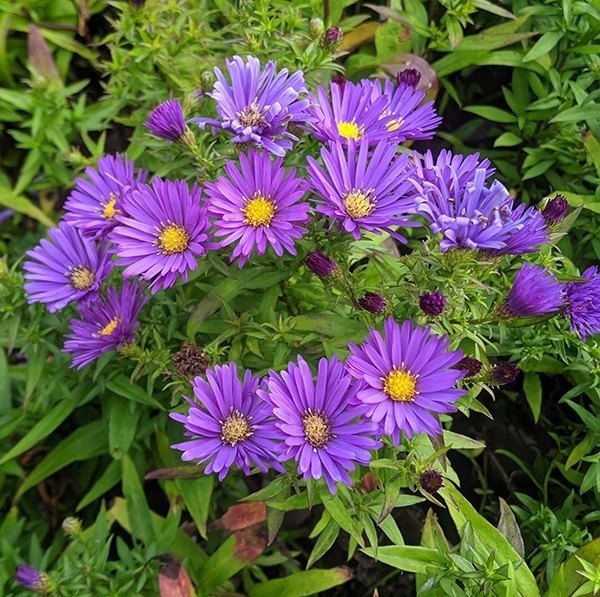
(43, 428)
(326, 539)
(9, 198)
(196, 494)
(457, 441)
(5, 399)
(107, 480)
(538, 169)
(409, 558)
(488, 538)
(532, 386)
(589, 111)
(340, 513)
(123, 417)
(543, 45)
(509, 527)
(121, 386)
(137, 506)
(308, 582)
(84, 443)
(492, 113)
(220, 566)
(567, 579)
(508, 140)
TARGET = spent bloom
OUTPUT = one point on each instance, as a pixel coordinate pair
(363, 190)
(469, 214)
(535, 292)
(66, 267)
(167, 121)
(229, 423)
(162, 233)
(33, 579)
(257, 206)
(257, 106)
(582, 304)
(96, 200)
(349, 114)
(409, 378)
(319, 420)
(432, 303)
(405, 115)
(105, 324)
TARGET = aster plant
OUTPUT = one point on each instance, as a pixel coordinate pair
(229, 423)
(256, 206)
(581, 303)
(162, 232)
(409, 378)
(258, 105)
(66, 267)
(319, 420)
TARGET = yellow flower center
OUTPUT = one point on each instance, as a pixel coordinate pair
(394, 125)
(400, 385)
(251, 115)
(359, 204)
(349, 130)
(109, 328)
(109, 210)
(173, 239)
(317, 428)
(81, 277)
(259, 211)
(236, 428)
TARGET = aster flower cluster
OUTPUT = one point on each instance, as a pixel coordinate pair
(330, 423)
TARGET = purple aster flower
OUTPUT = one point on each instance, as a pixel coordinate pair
(556, 210)
(106, 324)
(258, 106)
(373, 302)
(229, 424)
(67, 267)
(320, 420)
(350, 115)
(470, 215)
(409, 378)
(93, 204)
(257, 206)
(321, 265)
(433, 303)
(167, 121)
(583, 303)
(405, 115)
(363, 190)
(33, 579)
(535, 292)
(163, 232)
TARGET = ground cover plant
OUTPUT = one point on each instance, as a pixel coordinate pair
(299, 297)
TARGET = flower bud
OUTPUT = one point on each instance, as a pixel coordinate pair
(469, 364)
(316, 27)
(504, 374)
(431, 481)
(340, 80)
(318, 263)
(71, 526)
(556, 210)
(332, 37)
(166, 121)
(432, 303)
(33, 579)
(409, 76)
(373, 302)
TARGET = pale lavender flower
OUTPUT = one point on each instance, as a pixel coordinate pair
(535, 292)
(163, 232)
(105, 324)
(408, 376)
(319, 420)
(257, 106)
(257, 206)
(93, 204)
(229, 423)
(583, 303)
(363, 190)
(67, 267)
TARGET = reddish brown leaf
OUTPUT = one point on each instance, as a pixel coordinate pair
(173, 580)
(250, 542)
(39, 55)
(242, 516)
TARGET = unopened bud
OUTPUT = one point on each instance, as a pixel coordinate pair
(409, 76)
(504, 374)
(431, 481)
(373, 302)
(332, 37)
(318, 263)
(71, 526)
(432, 303)
(316, 28)
(556, 210)
(33, 579)
(469, 364)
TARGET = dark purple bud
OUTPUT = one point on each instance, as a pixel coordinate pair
(469, 364)
(32, 579)
(504, 374)
(556, 210)
(332, 37)
(409, 76)
(373, 302)
(318, 263)
(431, 481)
(432, 303)
(167, 121)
